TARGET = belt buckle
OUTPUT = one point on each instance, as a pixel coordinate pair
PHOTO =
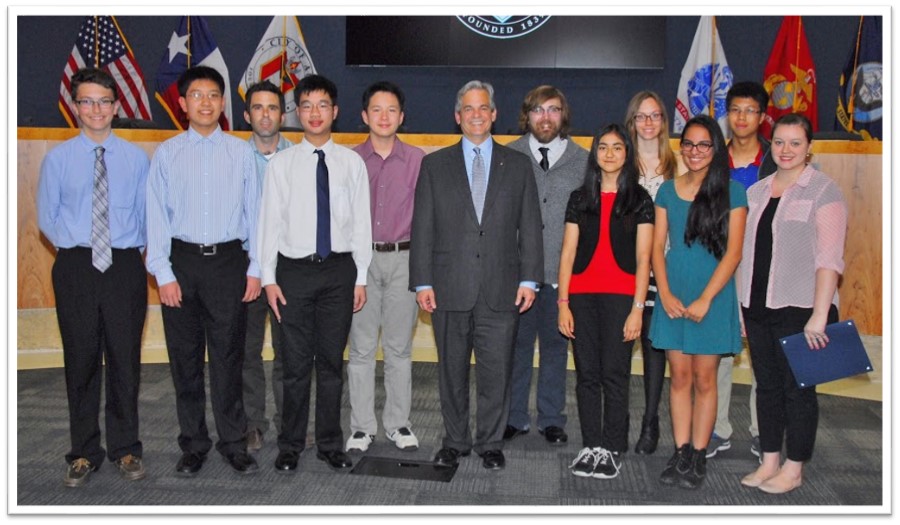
(208, 249)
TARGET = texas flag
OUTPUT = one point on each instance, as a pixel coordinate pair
(191, 44)
(281, 58)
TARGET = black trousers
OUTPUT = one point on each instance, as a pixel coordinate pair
(212, 319)
(654, 369)
(315, 324)
(254, 375)
(787, 413)
(602, 368)
(101, 316)
(491, 335)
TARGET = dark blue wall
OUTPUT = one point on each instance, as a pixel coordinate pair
(596, 96)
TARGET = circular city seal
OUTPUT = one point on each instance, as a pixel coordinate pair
(503, 26)
(283, 61)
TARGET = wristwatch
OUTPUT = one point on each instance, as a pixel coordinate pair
(639, 305)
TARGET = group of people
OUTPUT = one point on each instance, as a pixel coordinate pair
(502, 245)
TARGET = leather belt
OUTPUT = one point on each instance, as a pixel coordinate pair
(390, 246)
(206, 249)
(333, 256)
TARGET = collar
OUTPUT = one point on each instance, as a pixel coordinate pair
(307, 147)
(557, 144)
(88, 144)
(487, 147)
(802, 181)
(282, 144)
(398, 149)
(215, 137)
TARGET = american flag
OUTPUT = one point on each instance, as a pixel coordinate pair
(101, 44)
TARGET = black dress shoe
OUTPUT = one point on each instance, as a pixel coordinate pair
(493, 459)
(649, 438)
(512, 432)
(448, 457)
(286, 462)
(335, 459)
(242, 462)
(555, 435)
(189, 464)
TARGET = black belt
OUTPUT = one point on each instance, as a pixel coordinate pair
(206, 249)
(390, 246)
(314, 258)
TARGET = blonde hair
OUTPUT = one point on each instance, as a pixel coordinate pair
(667, 163)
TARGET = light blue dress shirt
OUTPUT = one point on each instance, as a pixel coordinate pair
(66, 188)
(202, 190)
(261, 160)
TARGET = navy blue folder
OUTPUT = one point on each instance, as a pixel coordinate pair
(843, 356)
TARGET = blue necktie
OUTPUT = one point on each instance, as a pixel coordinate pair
(323, 215)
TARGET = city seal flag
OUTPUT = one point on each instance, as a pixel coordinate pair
(192, 44)
(102, 45)
(281, 58)
(860, 98)
(790, 76)
(705, 79)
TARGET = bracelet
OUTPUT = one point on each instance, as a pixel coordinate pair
(560, 301)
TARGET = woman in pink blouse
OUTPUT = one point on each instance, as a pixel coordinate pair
(793, 256)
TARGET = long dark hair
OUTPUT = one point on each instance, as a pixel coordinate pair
(627, 194)
(707, 220)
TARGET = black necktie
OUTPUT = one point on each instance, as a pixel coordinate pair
(323, 215)
(545, 163)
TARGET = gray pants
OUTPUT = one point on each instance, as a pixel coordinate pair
(724, 381)
(391, 309)
(253, 373)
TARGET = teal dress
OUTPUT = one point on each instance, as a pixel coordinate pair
(689, 269)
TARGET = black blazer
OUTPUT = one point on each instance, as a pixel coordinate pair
(622, 231)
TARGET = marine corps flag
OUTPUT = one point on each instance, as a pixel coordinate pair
(790, 76)
(282, 59)
(860, 94)
(190, 45)
(102, 45)
(705, 79)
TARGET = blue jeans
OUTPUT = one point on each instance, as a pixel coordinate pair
(540, 321)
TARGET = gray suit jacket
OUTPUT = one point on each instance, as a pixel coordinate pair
(459, 257)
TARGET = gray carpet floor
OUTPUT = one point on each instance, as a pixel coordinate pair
(846, 468)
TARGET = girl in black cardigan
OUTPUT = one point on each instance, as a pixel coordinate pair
(604, 272)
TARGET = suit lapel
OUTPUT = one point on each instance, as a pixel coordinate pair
(459, 182)
(498, 170)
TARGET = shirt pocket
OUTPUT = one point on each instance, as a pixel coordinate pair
(798, 211)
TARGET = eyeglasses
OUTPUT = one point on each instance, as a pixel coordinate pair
(654, 117)
(539, 110)
(324, 105)
(750, 112)
(87, 103)
(702, 147)
(212, 96)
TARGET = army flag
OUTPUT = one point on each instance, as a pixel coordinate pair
(859, 108)
(191, 44)
(705, 79)
(102, 45)
(281, 58)
(790, 76)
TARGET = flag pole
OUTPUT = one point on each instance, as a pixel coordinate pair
(283, 53)
(796, 65)
(189, 42)
(851, 97)
(96, 42)
(712, 78)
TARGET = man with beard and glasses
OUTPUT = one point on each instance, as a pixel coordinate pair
(558, 165)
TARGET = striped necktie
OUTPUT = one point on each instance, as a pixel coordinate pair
(101, 246)
(479, 183)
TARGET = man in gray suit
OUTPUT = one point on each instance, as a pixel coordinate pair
(475, 260)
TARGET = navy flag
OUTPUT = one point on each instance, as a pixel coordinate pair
(859, 105)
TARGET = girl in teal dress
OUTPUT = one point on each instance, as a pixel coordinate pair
(702, 215)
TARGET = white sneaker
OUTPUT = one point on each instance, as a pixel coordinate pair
(359, 442)
(403, 438)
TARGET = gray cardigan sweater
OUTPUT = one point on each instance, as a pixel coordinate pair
(554, 188)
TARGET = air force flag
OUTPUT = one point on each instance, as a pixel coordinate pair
(705, 79)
